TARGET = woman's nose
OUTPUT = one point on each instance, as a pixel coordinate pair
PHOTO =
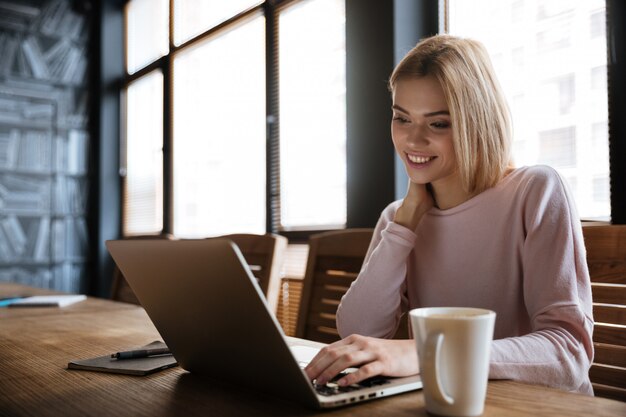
(417, 136)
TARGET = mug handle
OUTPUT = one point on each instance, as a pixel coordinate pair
(431, 370)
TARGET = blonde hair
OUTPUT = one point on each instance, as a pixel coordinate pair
(481, 122)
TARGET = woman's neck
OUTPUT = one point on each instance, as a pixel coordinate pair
(449, 193)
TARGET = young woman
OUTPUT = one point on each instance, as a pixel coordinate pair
(471, 231)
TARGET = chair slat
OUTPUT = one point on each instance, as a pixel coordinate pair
(609, 355)
(350, 264)
(323, 278)
(605, 242)
(606, 391)
(322, 306)
(608, 375)
(334, 292)
(609, 313)
(611, 272)
(608, 293)
(323, 321)
(611, 334)
(323, 334)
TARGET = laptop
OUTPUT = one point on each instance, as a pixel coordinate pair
(211, 313)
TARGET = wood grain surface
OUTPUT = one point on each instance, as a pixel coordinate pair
(36, 345)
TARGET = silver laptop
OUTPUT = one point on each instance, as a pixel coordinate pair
(210, 311)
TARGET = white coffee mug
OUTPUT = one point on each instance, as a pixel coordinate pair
(453, 345)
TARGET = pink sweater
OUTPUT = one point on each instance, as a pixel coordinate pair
(517, 249)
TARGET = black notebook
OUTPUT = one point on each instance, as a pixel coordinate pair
(140, 366)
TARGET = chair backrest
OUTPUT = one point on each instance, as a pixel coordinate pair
(264, 255)
(606, 257)
(335, 259)
(120, 290)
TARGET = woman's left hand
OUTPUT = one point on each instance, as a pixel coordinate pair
(372, 356)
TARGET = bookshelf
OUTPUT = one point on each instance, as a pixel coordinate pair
(44, 145)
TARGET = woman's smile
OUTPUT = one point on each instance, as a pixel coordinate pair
(418, 161)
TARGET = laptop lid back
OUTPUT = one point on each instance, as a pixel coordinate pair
(210, 311)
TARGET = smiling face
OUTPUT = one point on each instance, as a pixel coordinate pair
(421, 131)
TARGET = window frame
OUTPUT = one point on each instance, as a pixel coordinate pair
(270, 9)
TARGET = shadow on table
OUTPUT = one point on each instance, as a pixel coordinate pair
(201, 396)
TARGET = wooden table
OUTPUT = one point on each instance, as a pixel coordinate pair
(37, 343)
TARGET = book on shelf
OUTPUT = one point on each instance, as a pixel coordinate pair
(23, 193)
(34, 151)
(67, 276)
(9, 50)
(70, 64)
(21, 66)
(52, 18)
(9, 144)
(27, 276)
(17, 16)
(42, 243)
(69, 237)
(77, 143)
(70, 195)
(57, 58)
(58, 239)
(14, 233)
(38, 111)
(35, 58)
(6, 250)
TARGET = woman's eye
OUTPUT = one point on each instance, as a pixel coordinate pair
(399, 119)
(440, 125)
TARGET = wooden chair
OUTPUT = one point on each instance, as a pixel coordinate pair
(289, 304)
(334, 261)
(264, 255)
(120, 290)
(606, 257)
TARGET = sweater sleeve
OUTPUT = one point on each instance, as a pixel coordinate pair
(373, 304)
(557, 294)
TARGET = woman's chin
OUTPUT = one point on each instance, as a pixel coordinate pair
(418, 180)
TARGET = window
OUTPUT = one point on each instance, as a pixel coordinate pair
(143, 205)
(598, 24)
(146, 32)
(193, 17)
(252, 117)
(598, 78)
(517, 11)
(313, 115)
(558, 101)
(558, 147)
(219, 134)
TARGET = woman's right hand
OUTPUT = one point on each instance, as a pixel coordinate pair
(416, 203)
(371, 355)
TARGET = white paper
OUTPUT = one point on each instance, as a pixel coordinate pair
(48, 301)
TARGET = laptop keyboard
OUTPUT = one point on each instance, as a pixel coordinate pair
(332, 388)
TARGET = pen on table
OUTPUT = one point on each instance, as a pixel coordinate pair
(141, 353)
